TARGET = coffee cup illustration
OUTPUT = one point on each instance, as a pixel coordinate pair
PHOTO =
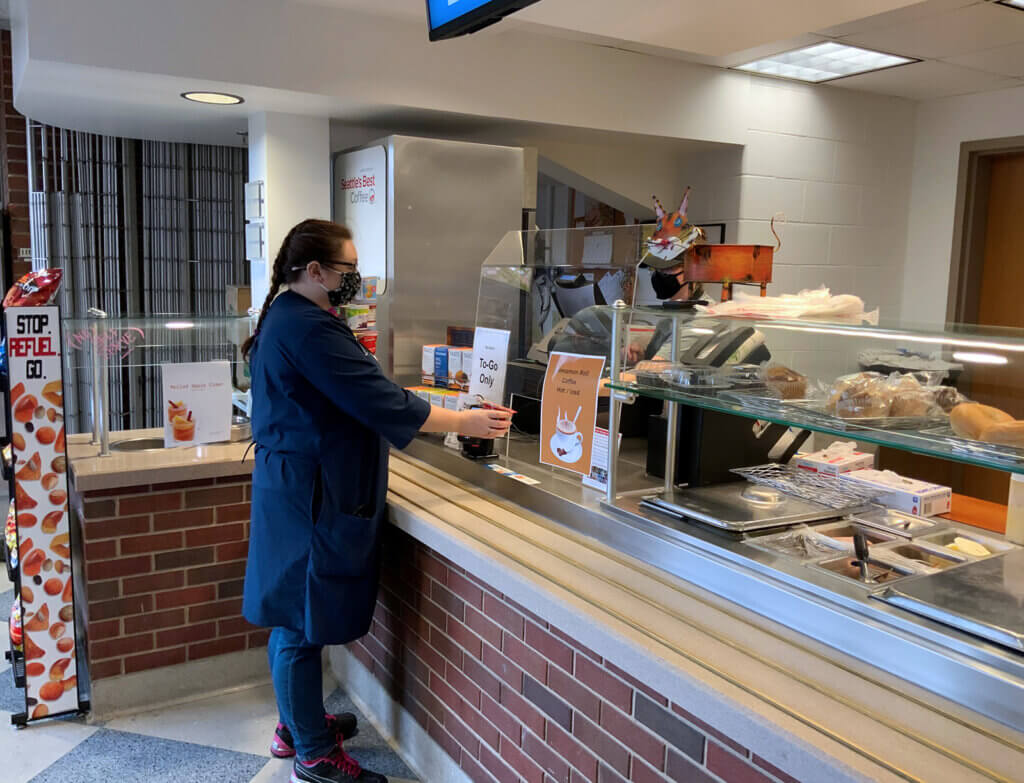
(567, 441)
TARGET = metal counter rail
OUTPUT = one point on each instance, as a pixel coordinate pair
(410, 481)
(982, 677)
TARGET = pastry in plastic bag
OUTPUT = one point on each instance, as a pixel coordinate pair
(34, 289)
(917, 403)
(789, 384)
(863, 395)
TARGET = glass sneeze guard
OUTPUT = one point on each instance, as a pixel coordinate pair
(983, 364)
(133, 349)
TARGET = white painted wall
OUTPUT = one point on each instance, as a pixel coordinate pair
(291, 154)
(837, 163)
(941, 127)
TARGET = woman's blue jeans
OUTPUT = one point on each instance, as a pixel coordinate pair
(295, 667)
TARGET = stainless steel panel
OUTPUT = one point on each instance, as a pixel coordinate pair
(983, 598)
(449, 203)
(738, 506)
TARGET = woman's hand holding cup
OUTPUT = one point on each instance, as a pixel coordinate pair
(491, 422)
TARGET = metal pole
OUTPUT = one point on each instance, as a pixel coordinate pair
(101, 377)
(672, 433)
(95, 385)
(613, 405)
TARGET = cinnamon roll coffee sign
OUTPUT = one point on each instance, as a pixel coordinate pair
(197, 403)
(569, 410)
(41, 505)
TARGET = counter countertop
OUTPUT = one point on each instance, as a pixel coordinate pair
(134, 468)
(743, 674)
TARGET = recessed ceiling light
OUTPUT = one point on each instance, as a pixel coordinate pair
(823, 62)
(1018, 4)
(179, 325)
(219, 98)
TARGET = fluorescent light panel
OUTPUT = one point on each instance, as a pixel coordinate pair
(824, 61)
(1019, 4)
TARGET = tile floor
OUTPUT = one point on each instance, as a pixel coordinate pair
(221, 739)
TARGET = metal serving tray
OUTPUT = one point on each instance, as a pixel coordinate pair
(899, 522)
(738, 506)
(983, 598)
(943, 538)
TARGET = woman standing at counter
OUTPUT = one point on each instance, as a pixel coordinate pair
(322, 410)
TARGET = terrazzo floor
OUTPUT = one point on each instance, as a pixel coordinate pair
(222, 739)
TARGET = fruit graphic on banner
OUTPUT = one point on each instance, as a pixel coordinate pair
(41, 501)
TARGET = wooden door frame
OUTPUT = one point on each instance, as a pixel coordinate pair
(968, 255)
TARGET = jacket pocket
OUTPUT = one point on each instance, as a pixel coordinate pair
(344, 545)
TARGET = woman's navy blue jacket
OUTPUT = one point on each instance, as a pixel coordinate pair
(322, 411)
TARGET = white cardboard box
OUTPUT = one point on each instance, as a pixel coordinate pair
(904, 494)
(832, 464)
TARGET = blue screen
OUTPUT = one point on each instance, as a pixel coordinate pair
(444, 11)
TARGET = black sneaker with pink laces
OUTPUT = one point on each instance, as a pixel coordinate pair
(336, 767)
(343, 725)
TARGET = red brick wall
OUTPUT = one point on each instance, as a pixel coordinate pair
(164, 571)
(512, 698)
(13, 161)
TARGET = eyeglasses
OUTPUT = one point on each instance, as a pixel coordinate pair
(345, 266)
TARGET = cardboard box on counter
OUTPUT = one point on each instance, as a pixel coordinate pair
(460, 365)
(430, 363)
(832, 461)
(239, 299)
(904, 494)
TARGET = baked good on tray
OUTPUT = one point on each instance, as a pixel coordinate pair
(789, 384)
(971, 419)
(1008, 433)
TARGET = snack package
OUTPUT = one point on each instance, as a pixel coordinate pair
(15, 624)
(11, 535)
(34, 289)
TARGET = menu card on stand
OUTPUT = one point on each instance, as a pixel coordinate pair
(197, 403)
(569, 410)
(490, 361)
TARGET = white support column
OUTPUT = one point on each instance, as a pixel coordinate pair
(291, 154)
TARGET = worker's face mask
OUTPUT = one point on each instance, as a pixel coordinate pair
(349, 285)
(347, 289)
(665, 285)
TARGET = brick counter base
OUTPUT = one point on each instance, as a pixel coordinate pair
(164, 571)
(511, 698)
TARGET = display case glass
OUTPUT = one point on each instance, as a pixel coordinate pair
(874, 379)
(890, 384)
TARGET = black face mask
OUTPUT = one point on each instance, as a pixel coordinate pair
(665, 286)
(346, 291)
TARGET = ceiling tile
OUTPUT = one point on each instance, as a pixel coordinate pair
(899, 16)
(924, 80)
(948, 34)
(1006, 60)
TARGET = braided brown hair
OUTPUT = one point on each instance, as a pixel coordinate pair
(310, 240)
